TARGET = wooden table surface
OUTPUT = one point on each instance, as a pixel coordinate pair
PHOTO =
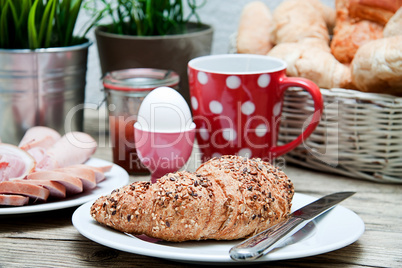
(48, 239)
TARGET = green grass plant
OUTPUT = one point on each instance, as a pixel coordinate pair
(37, 24)
(143, 17)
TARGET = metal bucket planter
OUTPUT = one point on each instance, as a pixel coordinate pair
(41, 87)
(169, 52)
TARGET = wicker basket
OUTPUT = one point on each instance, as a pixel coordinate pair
(359, 135)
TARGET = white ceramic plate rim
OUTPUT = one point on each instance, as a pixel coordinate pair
(116, 178)
(334, 230)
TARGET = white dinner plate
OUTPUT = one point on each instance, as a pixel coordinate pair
(335, 229)
(115, 178)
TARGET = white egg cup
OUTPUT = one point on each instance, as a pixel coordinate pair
(164, 152)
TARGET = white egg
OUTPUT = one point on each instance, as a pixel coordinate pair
(164, 110)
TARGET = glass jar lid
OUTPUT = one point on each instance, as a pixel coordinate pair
(140, 79)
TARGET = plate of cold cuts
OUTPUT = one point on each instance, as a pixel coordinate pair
(71, 193)
(331, 231)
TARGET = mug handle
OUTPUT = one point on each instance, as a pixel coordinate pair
(315, 93)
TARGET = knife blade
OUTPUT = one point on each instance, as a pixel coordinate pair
(267, 240)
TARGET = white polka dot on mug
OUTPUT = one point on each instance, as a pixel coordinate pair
(194, 103)
(248, 108)
(233, 82)
(202, 78)
(215, 107)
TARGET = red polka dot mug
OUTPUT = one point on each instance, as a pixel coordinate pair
(236, 101)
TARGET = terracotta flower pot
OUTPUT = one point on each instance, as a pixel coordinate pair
(170, 52)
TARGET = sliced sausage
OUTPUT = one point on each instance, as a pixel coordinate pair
(56, 189)
(13, 200)
(73, 184)
(32, 191)
(99, 171)
(104, 169)
(87, 176)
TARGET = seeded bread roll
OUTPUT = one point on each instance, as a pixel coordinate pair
(227, 198)
(257, 194)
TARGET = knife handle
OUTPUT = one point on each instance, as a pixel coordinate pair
(267, 240)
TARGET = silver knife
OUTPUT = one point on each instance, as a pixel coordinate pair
(262, 243)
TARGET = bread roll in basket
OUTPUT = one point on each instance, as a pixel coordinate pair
(359, 71)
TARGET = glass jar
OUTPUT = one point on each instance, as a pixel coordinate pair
(125, 90)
